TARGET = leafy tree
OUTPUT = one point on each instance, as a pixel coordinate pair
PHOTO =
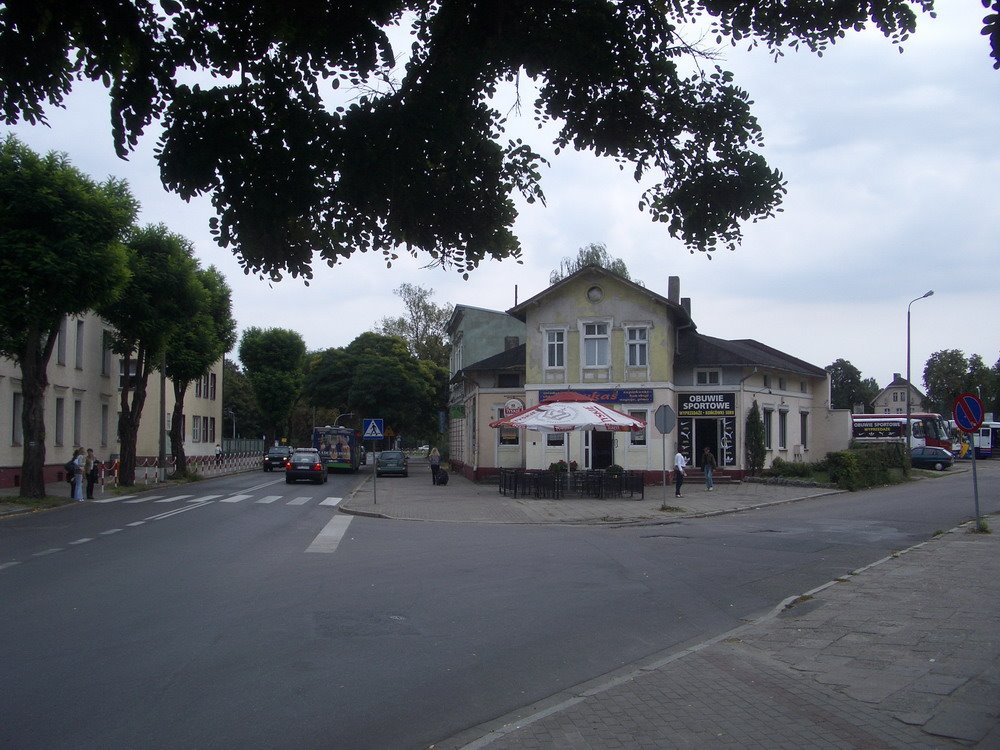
(594, 254)
(195, 347)
(162, 296)
(946, 375)
(423, 162)
(378, 376)
(755, 450)
(847, 387)
(56, 227)
(979, 378)
(239, 401)
(423, 326)
(274, 360)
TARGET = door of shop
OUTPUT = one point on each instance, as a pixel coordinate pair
(706, 435)
(602, 449)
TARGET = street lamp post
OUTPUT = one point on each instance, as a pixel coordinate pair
(231, 413)
(909, 387)
(336, 422)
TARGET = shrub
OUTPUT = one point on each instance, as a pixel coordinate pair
(559, 465)
(868, 466)
(615, 470)
(782, 468)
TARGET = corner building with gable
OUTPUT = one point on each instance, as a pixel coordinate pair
(599, 334)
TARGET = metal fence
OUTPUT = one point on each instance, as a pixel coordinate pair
(558, 484)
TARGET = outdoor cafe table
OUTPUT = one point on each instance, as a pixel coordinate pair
(544, 483)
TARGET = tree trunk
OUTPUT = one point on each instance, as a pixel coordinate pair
(128, 420)
(34, 384)
(176, 427)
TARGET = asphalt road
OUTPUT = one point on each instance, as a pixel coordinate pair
(250, 615)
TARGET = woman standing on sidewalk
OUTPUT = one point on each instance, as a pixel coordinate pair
(78, 461)
(434, 459)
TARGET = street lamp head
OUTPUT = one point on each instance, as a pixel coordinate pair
(928, 294)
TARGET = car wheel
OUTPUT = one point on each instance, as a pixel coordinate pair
(939, 466)
(288, 480)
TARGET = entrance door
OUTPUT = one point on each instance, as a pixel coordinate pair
(706, 435)
(602, 449)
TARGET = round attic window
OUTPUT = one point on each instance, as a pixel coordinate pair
(595, 294)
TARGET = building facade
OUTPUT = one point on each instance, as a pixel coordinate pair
(82, 404)
(599, 334)
(892, 398)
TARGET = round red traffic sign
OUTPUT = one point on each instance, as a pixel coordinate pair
(968, 412)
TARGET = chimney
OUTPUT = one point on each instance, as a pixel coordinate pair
(686, 304)
(896, 376)
(674, 289)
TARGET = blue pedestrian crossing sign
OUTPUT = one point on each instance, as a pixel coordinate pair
(372, 429)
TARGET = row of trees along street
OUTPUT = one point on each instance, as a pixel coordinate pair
(70, 245)
(398, 373)
(946, 374)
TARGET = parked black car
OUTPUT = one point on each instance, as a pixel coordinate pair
(275, 457)
(929, 457)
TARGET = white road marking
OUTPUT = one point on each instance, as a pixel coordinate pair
(269, 499)
(332, 501)
(48, 552)
(83, 541)
(9, 564)
(176, 511)
(329, 538)
(110, 531)
(113, 499)
(300, 500)
(204, 498)
(142, 499)
(136, 523)
(234, 498)
(173, 499)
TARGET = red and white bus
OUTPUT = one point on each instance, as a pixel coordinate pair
(925, 429)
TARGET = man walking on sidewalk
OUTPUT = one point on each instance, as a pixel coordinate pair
(708, 464)
(679, 463)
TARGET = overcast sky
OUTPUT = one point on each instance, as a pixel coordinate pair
(892, 167)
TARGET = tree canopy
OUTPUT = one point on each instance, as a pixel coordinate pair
(848, 388)
(413, 152)
(273, 360)
(56, 227)
(594, 254)
(423, 327)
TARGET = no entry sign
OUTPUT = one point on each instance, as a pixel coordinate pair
(968, 412)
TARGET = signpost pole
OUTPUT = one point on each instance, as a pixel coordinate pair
(968, 413)
(665, 420)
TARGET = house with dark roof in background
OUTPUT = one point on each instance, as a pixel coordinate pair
(599, 334)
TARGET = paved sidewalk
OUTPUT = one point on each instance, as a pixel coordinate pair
(415, 498)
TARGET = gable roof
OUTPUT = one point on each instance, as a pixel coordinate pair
(698, 350)
(898, 381)
(681, 315)
(512, 359)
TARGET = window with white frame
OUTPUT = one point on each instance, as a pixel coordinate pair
(638, 437)
(507, 435)
(61, 343)
(104, 425)
(211, 386)
(555, 348)
(803, 386)
(596, 345)
(782, 430)
(636, 340)
(77, 422)
(16, 433)
(132, 371)
(60, 419)
(707, 377)
(106, 353)
(205, 432)
(767, 381)
(781, 384)
(79, 344)
(197, 388)
(768, 421)
(804, 429)
(196, 429)
(555, 438)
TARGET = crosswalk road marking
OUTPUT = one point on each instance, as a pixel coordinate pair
(300, 500)
(332, 501)
(329, 538)
(141, 499)
(204, 498)
(113, 499)
(234, 498)
(173, 499)
(269, 499)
